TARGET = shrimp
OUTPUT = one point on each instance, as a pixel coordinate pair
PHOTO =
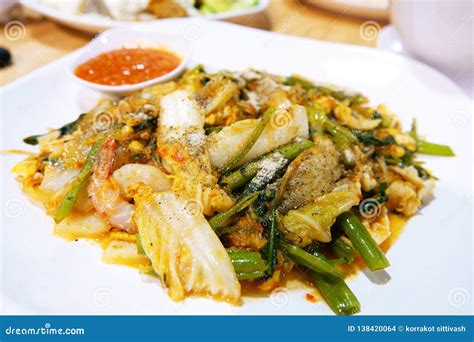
(105, 194)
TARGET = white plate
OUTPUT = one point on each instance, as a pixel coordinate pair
(95, 24)
(431, 270)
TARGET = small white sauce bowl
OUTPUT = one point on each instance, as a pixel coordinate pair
(132, 38)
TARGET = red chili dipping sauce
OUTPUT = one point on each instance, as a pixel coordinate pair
(127, 66)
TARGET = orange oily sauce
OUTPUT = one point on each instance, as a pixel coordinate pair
(298, 280)
(127, 66)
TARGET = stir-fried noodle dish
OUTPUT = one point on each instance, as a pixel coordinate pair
(228, 182)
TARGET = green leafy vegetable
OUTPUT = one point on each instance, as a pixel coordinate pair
(213, 129)
(64, 130)
(315, 263)
(138, 242)
(245, 173)
(343, 137)
(337, 294)
(368, 138)
(343, 250)
(379, 193)
(425, 147)
(247, 146)
(247, 264)
(316, 119)
(296, 79)
(221, 220)
(362, 241)
(68, 201)
(314, 220)
(337, 94)
(270, 247)
(218, 6)
(148, 123)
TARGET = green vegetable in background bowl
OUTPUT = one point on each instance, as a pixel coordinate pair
(217, 6)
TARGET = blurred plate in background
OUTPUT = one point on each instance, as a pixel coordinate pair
(94, 23)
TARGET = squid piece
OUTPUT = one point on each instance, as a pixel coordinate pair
(284, 126)
(312, 174)
(181, 140)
